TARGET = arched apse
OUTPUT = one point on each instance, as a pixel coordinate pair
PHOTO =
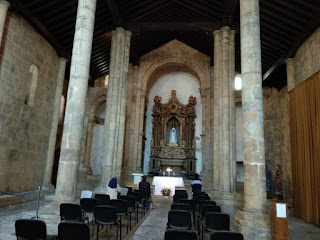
(186, 84)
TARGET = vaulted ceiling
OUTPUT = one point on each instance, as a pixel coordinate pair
(285, 25)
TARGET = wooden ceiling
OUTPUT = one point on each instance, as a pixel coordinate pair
(285, 25)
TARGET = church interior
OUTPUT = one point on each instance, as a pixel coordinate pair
(92, 90)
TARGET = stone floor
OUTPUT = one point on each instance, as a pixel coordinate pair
(152, 226)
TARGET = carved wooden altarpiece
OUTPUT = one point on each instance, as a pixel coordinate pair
(180, 154)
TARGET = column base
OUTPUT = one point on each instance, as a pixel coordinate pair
(253, 225)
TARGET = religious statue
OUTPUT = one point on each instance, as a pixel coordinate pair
(173, 135)
(268, 178)
(279, 176)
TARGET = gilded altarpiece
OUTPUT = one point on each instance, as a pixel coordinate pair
(173, 144)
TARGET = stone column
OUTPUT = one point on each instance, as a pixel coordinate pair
(216, 111)
(123, 101)
(120, 46)
(4, 6)
(253, 220)
(54, 124)
(77, 92)
(144, 94)
(224, 134)
(291, 76)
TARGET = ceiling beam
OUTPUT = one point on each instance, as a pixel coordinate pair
(174, 26)
(310, 27)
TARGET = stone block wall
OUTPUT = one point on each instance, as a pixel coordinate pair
(277, 133)
(307, 58)
(24, 129)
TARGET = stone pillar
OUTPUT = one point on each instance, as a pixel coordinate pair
(291, 76)
(144, 94)
(216, 111)
(4, 6)
(117, 87)
(253, 221)
(54, 124)
(77, 92)
(224, 134)
(123, 101)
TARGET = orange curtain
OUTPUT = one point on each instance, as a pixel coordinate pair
(305, 149)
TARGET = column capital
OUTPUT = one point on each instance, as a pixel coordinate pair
(63, 59)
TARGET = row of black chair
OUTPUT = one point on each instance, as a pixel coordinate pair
(173, 234)
(36, 229)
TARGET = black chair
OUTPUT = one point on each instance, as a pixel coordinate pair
(122, 209)
(180, 206)
(88, 205)
(191, 203)
(106, 215)
(203, 212)
(216, 221)
(102, 199)
(178, 191)
(173, 234)
(205, 202)
(196, 193)
(73, 231)
(179, 219)
(144, 199)
(177, 197)
(138, 201)
(222, 235)
(131, 205)
(29, 229)
(72, 212)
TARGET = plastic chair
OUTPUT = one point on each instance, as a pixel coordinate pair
(88, 205)
(216, 221)
(178, 191)
(102, 199)
(177, 197)
(31, 229)
(203, 212)
(179, 219)
(72, 212)
(73, 231)
(221, 235)
(173, 234)
(122, 209)
(106, 215)
(138, 201)
(180, 206)
(131, 205)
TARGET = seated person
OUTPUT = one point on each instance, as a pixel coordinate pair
(145, 185)
(196, 183)
(113, 188)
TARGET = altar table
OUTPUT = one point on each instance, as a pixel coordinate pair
(169, 182)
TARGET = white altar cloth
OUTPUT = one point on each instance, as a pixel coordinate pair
(169, 182)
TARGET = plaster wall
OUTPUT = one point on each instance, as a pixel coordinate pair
(24, 129)
(186, 85)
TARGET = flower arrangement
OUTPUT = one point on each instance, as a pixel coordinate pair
(166, 191)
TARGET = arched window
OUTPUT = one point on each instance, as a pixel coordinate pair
(32, 85)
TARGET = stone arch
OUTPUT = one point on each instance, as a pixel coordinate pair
(32, 85)
(171, 64)
(94, 106)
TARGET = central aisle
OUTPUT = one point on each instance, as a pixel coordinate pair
(154, 225)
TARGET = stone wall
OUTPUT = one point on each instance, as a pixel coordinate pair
(307, 58)
(277, 133)
(24, 129)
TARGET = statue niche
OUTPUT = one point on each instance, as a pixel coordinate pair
(172, 143)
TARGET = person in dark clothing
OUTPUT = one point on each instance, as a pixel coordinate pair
(145, 185)
(196, 183)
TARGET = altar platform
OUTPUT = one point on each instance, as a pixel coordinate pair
(161, 182)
